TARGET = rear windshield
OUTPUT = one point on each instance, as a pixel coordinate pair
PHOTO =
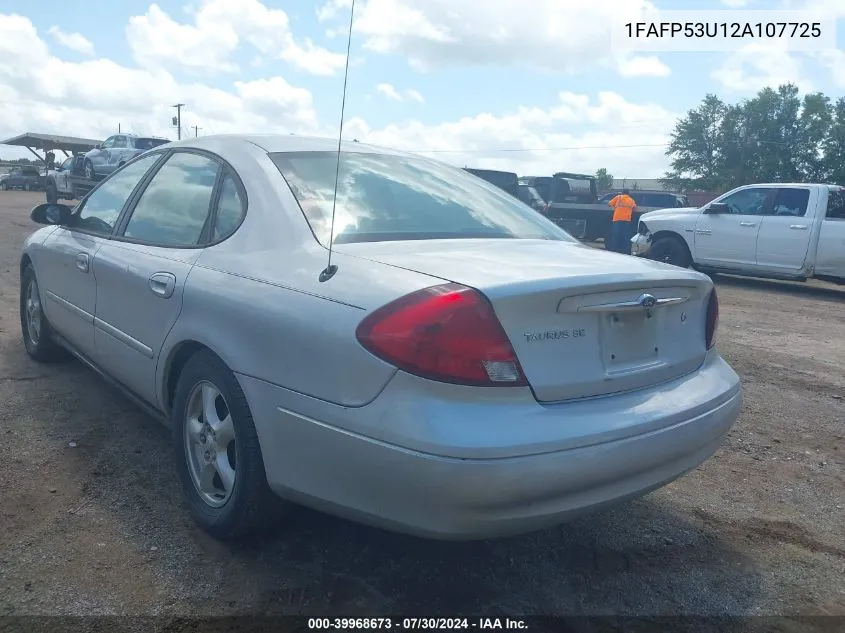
(149, 143)
(382, 197)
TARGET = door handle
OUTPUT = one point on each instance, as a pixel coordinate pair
(82, 262)
(163, 284)
(704, 232)
(748, 224)
(798, 227)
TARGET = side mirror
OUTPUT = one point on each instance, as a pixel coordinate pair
(48, 213)
(717, 208)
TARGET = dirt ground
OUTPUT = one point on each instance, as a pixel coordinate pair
(92, 521)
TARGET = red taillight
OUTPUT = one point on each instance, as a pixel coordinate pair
(447, 333)
(712, 319)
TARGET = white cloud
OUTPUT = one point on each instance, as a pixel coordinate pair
(41, 92)
(759, 65)
(642, 66)
(571, 36)
(736, 4)
(74, 41)
(575, 134)
(218, 28)
(389, 91)
(414, 95)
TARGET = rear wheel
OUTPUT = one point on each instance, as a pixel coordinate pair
(4, 186)
(37, 334)
(218, 456)
(88, 169)
(671, 250)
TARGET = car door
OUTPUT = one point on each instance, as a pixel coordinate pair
(730, 239)
(830, 254)
(141, 273)
(120, 151)
(785, 231)
(101, 157)
(61, 176)
(64, 266)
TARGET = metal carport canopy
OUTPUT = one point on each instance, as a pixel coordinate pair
(48, 142)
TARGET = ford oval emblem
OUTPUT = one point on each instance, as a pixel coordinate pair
(647, 301)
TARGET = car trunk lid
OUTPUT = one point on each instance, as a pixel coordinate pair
(583, 322)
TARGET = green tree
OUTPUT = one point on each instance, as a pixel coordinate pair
(695, 147)
(604, 180)
(833, 146)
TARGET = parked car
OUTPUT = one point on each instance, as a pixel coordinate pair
(783, 231)
(26, 178)
(462, 369)
(115, 151)
(58, 185)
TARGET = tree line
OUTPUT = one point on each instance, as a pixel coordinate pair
(777, 136)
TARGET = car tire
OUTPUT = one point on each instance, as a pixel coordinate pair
(208, 450)
(35, 329)
(88, 170)
(670, 249)
(52, 193)
(4, 186)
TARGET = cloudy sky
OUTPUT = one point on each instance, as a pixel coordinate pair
(526, 85)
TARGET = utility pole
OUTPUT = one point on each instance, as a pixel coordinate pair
(118, 128)
(178, 119)
(196, 131)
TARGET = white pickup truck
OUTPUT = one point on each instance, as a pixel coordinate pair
(777, 231)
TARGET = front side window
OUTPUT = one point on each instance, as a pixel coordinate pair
(173, 209)
(383, 197)
(120, 142)
(748, 201)
(100, 210)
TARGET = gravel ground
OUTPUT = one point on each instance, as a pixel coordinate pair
(92, 521)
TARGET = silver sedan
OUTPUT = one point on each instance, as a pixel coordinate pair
(463, 369)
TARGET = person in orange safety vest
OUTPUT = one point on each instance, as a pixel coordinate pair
(623, 206)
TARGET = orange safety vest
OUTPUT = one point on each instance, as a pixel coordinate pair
(623, 208)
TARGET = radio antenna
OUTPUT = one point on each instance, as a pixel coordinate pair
(331, 269)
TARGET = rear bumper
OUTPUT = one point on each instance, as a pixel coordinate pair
(640, 245)
(430, 495)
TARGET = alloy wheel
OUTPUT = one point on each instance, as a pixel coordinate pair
(209, 439)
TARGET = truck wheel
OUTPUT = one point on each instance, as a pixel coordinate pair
(89, 170)
(52, 193)
(671, 250)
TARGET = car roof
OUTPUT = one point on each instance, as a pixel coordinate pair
(272, 143)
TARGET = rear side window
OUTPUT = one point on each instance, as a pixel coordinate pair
(791, 202)
(835, 206)
(230, 209)
(173, 209)
(385, 197)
